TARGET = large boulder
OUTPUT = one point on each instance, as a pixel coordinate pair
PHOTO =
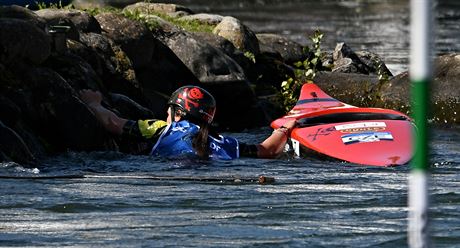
(134, 38)
(374, 63)
(352, 88)
(163, 75)
(128, 108)
(347, 61)
(111, 64)
(75, 71)
(264, 70)
(80, 20)
(226, 47)
(57, 113)
(209, 19)
(237, 108)
(12, 92)
(218, 73)
(10, 113)
(13, 147)
(18, 12)
(145, 8)
(145, 12)
(268, 72)
(22, 41)
(289, 50)
(444, 90)
(206, 62)
(239, 34)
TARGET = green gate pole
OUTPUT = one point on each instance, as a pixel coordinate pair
(420, 75)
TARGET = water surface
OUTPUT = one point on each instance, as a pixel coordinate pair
(312, 203)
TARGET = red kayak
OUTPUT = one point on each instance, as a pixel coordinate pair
(367, 136)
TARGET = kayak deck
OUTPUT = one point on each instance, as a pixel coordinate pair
(368, 136)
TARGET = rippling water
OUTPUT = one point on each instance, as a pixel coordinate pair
(312, 203)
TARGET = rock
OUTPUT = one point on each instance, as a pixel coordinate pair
(268, 73)
(444, 90)
(226, 47)
(447, 76)
(111, 64)
(166, 72)
(160, 26)
(134, 38)
(75, 71)
(12, 116)
(240, 35)
(12, 145)
(10, 113)
(373, 62)
(164, 75)
(237, 108)
(352, 88)
(17, 12)
(80, 20)
(397, 94)
(218, 73)
(128, 108)
(345, 60)
(218, 42)
(146, 8)
(58, 115)
(209, 19)
(22, 41)
(290, 51)
(207, 63)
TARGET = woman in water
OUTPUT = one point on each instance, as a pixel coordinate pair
(186, 131)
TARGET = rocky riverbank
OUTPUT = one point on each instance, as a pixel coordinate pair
(138, 55)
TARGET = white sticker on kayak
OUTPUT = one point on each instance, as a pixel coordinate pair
(360, 125)
(296, 147)
(366, 137)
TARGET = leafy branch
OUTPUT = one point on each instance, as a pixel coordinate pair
(304, 71)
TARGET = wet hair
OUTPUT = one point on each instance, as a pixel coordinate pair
(200, 141)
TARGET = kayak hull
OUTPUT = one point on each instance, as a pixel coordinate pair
(366, 136)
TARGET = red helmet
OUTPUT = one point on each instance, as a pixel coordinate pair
(194, 101)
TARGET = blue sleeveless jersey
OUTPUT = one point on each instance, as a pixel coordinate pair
(176, 141)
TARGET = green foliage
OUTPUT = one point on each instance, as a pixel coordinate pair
(381, 72)
(42, 5)
(152, 23)
(304, 71)
(191, 26)
(95, 11)
(376, 98)
(250, 56)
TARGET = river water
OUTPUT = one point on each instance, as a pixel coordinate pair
(138, 201)
(311, 203)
